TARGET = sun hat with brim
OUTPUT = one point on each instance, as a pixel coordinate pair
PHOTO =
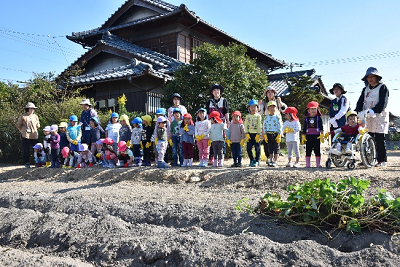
(338, 85)
(108, 141)
(65, 151)
(53, 128)
(215, 115)
(63, 125)
(271, 103)
(269, 88)
(46, 129)
(313, 104)
(187, 116)
(147, 118)
(85, 102)
(30, 105)
(372, 71)
(237, 113)
(293, 112)
(122, 146)
(124, 117)
(351, 112)
(202, 109)
(161, 119)
(216, 86)
(38, 146)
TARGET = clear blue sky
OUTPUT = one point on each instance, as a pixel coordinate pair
(363, 33)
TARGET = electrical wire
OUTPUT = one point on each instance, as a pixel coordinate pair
(30, 55)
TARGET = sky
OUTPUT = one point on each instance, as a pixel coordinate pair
(339, 39)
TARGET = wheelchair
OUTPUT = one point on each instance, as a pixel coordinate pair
(363, 149)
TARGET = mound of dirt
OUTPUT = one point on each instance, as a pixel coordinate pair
(147, 216)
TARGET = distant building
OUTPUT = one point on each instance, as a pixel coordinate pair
(137, 50)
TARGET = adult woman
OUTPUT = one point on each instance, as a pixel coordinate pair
(86, 115)
(372, 106)
(28, 125)
(270, 95)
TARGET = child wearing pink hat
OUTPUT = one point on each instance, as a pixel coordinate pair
(291, 128)
(125, 155)
(70, 157)
(110, 156)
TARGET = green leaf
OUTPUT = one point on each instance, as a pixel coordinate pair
(353, 226)
(396, 204)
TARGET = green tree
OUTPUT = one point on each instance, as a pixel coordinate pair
(225, 65)
(301, 93)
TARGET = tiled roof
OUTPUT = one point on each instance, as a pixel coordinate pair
(277, 81)
(136, 68)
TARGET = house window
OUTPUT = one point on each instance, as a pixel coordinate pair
(195, 43)
(153, 102)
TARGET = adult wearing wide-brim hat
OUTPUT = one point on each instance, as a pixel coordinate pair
(87, 113)
(372, 107)
(338, 107)
(28, 125)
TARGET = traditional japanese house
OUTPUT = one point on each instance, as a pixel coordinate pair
(137, 50)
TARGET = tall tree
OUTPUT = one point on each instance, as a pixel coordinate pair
(225, 65)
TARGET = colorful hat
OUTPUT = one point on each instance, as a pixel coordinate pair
(137, 120)
(53, 128)
(176, 110)
(237, 113)
(38, 146)
(100, 141)
(338, 85)
(108, 141)
(293, 112)
(187, 116)
(215, 115)
(252, 103)
(313, 104)
(73, 118)
(85, 102)
(30, 105)
(95, 119)
(122, 146)
(47, 129)
(63, 124)
(114, 115)
(65, 151)
(269, 88)
(202, 109)
(161, 111)
(351, 112)
(82, 147)
(372, 71)
(161, 119)
(147, 118)
(271, 103)
(124, 118)
(216, 86)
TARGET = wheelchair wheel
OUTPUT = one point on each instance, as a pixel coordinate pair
(338, 161)
(328, 164)
(351, 165)
(368, 151)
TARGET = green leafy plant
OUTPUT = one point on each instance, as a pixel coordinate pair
(340, 205)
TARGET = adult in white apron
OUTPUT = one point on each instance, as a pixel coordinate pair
(372, 107)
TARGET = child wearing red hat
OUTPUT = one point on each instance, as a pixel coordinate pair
(187, 131)
(291, 128)
(217, 138)
(312, 131)
(236, 136)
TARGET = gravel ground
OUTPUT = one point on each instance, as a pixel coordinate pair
(152, 217)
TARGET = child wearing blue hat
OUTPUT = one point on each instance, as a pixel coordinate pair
(253, 130)
(74, 133)
(112, 130)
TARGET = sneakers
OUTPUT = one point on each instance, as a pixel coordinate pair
(381, 164)
(296, 165)
(274, 164)
(252, 162)
(289, 165)
(348, 148)
(238, 165)
(234, 165)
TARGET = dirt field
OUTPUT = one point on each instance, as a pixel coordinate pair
(151, 217)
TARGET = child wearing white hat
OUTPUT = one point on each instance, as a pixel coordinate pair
(39, 155)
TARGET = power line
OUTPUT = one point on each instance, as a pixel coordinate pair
(25, 71)
(31, 34)
(30, 55)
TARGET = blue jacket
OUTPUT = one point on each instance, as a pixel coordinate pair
(187, 137)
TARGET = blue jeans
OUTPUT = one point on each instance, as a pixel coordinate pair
(236, 152)
(177, 145)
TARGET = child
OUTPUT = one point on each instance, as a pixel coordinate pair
(125, 132)
(136, 140)
(187, 132)
(112, 130)
(176, 103)
(272, 128)
(70, 157)
(46, 145)
(253, 130)
(312, 131)
(350, 130)
(85, 157)
(39, 155)
(202, 133)
(74, 133)
(176, 143)
(125, 155)
(100, 154)
(146, 140)
(160, 113)
(217, 138)
(95, 134)
(54, 146)
(237, 136)
(161, 141)
(110, 156)
(63, 134)
(338, 107)
(291, 128)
